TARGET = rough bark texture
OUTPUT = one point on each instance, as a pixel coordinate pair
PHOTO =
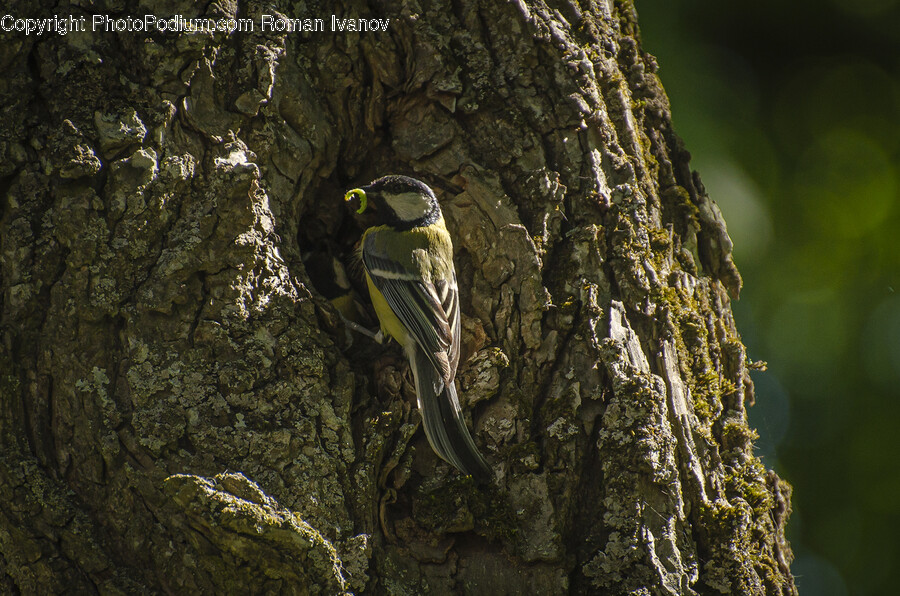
(181, 409)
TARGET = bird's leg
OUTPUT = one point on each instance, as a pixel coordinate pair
(378, 337)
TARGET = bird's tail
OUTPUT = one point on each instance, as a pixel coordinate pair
(444, 424)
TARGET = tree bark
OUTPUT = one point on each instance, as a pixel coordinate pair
(182, 411)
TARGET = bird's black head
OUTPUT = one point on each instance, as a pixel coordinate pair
(400, 201)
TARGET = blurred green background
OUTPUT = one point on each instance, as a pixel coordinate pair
(791, 111)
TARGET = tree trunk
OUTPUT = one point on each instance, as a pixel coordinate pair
(182, 410)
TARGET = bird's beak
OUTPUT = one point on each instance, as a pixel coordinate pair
(363, 200)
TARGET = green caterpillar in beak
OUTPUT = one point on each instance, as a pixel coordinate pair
(363, 200)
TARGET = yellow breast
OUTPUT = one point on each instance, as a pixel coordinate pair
(390, 324)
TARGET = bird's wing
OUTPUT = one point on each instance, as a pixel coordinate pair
(448, 294)
(429, 311)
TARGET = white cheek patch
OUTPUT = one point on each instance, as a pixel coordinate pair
(409, 206)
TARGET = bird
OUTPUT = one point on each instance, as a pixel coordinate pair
(409, 271)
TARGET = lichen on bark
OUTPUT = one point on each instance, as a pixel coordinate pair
(181, 408)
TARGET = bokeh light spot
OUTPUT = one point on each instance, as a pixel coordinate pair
(749, 222)
(846, 183)
(807, 331)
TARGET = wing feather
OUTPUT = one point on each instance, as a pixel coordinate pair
(429, 312)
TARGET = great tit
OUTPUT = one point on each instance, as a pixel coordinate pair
(408, 262)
